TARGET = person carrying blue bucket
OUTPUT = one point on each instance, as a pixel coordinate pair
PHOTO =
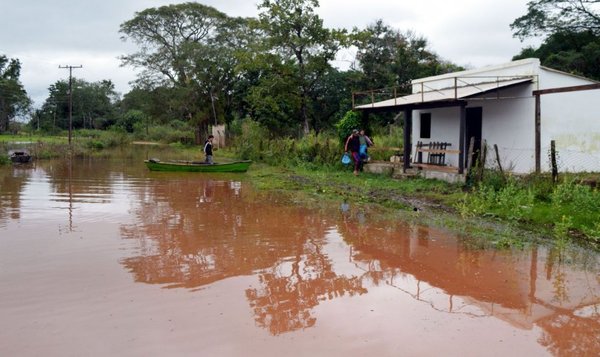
(353, 146)
(365, 142)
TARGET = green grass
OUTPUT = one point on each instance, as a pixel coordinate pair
(5, 138)
(308, 169)
(83, 142)
(507, 216)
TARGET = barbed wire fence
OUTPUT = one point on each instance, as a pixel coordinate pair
(522, 160)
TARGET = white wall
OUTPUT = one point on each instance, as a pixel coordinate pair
(508, 123)
(444, 127)
(573, 120)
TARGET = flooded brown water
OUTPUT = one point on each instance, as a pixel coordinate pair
(101, 257)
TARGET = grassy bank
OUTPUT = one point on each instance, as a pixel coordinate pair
(505, 209)
(83, 142)
(510, 217)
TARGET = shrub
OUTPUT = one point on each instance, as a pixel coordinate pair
(350, 121)
(132, 119)
(106, 139)
(313, 149)
(512, 201)
(581, 203)
(4, 159)
(580, 196)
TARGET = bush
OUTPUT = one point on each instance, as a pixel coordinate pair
(175, 132)
(4, 159)
(254, 144)
(349, 122)
(103, 139)
(512, 201)
(132, 119)
(581, 203)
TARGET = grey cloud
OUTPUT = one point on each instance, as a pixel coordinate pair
(44, 34)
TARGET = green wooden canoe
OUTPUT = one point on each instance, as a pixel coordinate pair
(197, 166)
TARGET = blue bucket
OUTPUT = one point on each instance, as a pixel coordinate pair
(346, 159)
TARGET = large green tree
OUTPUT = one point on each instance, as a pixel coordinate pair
(545, 17)
(572, 34)
(572, 52)
(94, 106)
(189, 50)
(295, 33)
(391, 58)
(13, 97)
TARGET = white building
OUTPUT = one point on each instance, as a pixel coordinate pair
(497, 104)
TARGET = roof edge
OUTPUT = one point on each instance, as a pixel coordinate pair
(534, 61)
(568, 74)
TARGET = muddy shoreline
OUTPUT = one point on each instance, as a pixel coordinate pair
(390, 203)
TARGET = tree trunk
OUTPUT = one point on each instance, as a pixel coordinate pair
(3, 116)
(201, 132)
(306, 126)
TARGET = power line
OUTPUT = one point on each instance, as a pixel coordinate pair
(70, 96)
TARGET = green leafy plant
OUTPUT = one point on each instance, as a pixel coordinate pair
(349, 122)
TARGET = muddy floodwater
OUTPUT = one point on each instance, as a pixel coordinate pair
(100, 257)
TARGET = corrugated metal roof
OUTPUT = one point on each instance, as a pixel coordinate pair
(448, 94)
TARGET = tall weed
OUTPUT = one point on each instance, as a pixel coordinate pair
(255, 144)
(581, 202)
(511, 202)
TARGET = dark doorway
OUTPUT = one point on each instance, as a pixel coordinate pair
(473, 130)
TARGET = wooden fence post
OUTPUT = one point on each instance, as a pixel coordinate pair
(470, 154)
(553, 161)
(482, 160)
(498, 160)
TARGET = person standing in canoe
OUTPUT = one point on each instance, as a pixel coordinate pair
(208, 148)
(353, 145)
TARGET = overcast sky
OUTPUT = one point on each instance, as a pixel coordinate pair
(45, 34)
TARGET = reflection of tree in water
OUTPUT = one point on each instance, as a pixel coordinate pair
(188, 234)
(289, 291)
(192, 232)
(12, 182)
(566, 334)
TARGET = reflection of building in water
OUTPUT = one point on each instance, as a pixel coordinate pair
(449, 276)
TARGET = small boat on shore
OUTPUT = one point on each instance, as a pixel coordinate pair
(197, 166)
(19, 156)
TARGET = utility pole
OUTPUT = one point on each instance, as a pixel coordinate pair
(70, 97)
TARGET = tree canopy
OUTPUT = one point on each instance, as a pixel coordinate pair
(187, 49)
(13, 97)
(94, 105)
(302, 49)
(546, 17)
(201, 66)
(572, 30)
(572, 52)
(389, 57)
